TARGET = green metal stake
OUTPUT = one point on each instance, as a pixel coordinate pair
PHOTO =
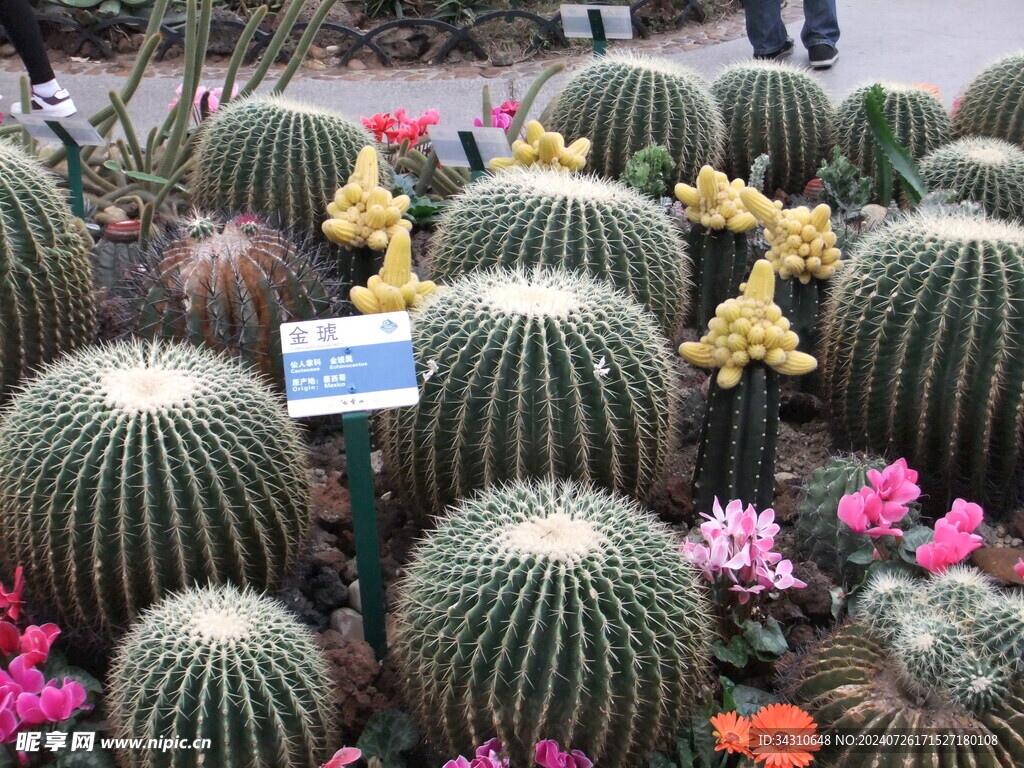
(597, 30)
(364, 520)
(476, 161)
(74, 159)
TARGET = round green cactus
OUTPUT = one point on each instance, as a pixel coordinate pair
(885, 599)
(547, 218)
(133, 470)
(778, 109)
(999, 628)
(46, 306)
(849, 685)
(538, 373)
(960, 592)
(987, 171)
(978, 685)
(229, 286)
(624, 103)
(227, 666)
(277, 158)
(927, 647)
(820, 534)
(923, 351)
(917, 118)
(993, 102)
(552, 611)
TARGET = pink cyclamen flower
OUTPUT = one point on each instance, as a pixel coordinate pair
(21, 677)
(11, 602)
(550, 755)
(53, 704)
(895, 486)
(1019, 568)
(343, 756)
(861, 510)
(949, 547)
(36, 642)
(499, 119)
(781, 577)
(8, 717)
(509, 108)
(10, 638)
(459, 762)
(493, 754)
(965, 516)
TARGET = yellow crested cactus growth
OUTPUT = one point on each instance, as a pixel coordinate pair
(802, 241)
(545, 149)
(748, 329)
(364, 214)
(395, 287)
(715, 202)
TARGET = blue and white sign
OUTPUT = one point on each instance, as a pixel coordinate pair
(347, 364)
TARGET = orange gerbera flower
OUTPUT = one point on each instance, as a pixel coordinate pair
(732, 733)
(785, 736)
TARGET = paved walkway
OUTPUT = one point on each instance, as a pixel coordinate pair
(942, 42)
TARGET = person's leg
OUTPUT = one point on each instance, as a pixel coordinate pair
(765, 30)
(19, 21)
(821, 24)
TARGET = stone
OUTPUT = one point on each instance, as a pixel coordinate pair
(502, 59)
(223, 38)
(403, 43)
(316, 52)
(347, 623)
(354, 598)
(490, 72)
(356, 64)
(377, 462)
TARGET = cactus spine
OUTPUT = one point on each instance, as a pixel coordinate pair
(624, 102)
(750, 342)
(229, 286)
(277, 158)
(551, 610)
(993, 102)
(916, 116)
(536, 217)
(133, 470)
(987, 171)
(718, 243)
(780, 110)
(229, 666)
(539, 373)
(46, 306)
(924, 350)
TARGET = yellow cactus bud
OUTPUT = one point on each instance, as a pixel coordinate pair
(397, 267)
(334, 210)
(367, 172)
(821, 217)
(353, 193)
(759, 205)
(775, 357)
(426, 287)
(378, 196)
(524, 153)
(687, 194)
(373, 281)
(342, 232)
(707, 185)
(548, 146)
(365, 300)
(580, 148)
(741, 222)
(391, 216)
(390, 298)
(534, 130)
(502, 163)
(761, 284)
(729, 376)
(377, 240)
(797, 364)
(697, 353)
(402, 203)
(376, 216)
(409, 295)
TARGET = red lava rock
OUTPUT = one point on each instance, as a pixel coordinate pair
(361, 686)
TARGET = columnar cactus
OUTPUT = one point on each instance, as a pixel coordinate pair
(224, 665)
(133, 470)
(229, 286)
(624, 102)
(749, 341)
(993, 102)
(778, 109)
(277, 158)
(718, 241)
(541, 217)
(363, 214)
(538, 373)
(46, 306)
(987, 171)
(917, 118)
(850, 685)
(923, 350)
(544, 149)
(556, 611)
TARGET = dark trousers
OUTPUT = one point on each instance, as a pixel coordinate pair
(19, 22)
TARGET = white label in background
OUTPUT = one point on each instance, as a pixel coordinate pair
(618, 24)
(78, 127)
(490, 142)
(348, 364)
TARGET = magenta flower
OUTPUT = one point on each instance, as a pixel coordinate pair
(53, 704)
(10, 638)
(11, 602)
(949, 547)
(746, 592)
(1019, 567)
(499, 119)
(36, 642)
(8, 719)
(343, 756)
(895, 486)
(861, 510)
(459, 762)
(550, 755)
(781, 578)
(491, 755)
(965, 516)
(21, 677)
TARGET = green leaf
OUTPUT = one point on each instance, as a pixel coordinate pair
(863, 556)
(914, 538)
(839, 598)
(728, 686)
(767, 639)
(736, 653)
(684, 754)
(387, 735)
(749, 700)
(913, 185)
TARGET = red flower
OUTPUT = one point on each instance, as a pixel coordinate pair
(10, 638)
(379, 124)
(732, 733)
(36, 643)
(11, 602)
(343, 756)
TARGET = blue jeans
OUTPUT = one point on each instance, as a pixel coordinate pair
(767, 33)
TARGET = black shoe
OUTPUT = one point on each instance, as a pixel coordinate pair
(782, 53)
(822, 56)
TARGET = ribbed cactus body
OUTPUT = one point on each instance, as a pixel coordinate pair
(923, 351)
(917, 118)
(780, 110)
(538, 373)
(849, 684)
(551, 611)
(624, 103)
(960, 592)
(230, 289)
(999, 627)
(820, 534)
(987, 171)
(721, 262)
(277, 158)
(886, 599)
(993, 102)
(545, 218)
(229, 666)
(46, 306)
(133, 470)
